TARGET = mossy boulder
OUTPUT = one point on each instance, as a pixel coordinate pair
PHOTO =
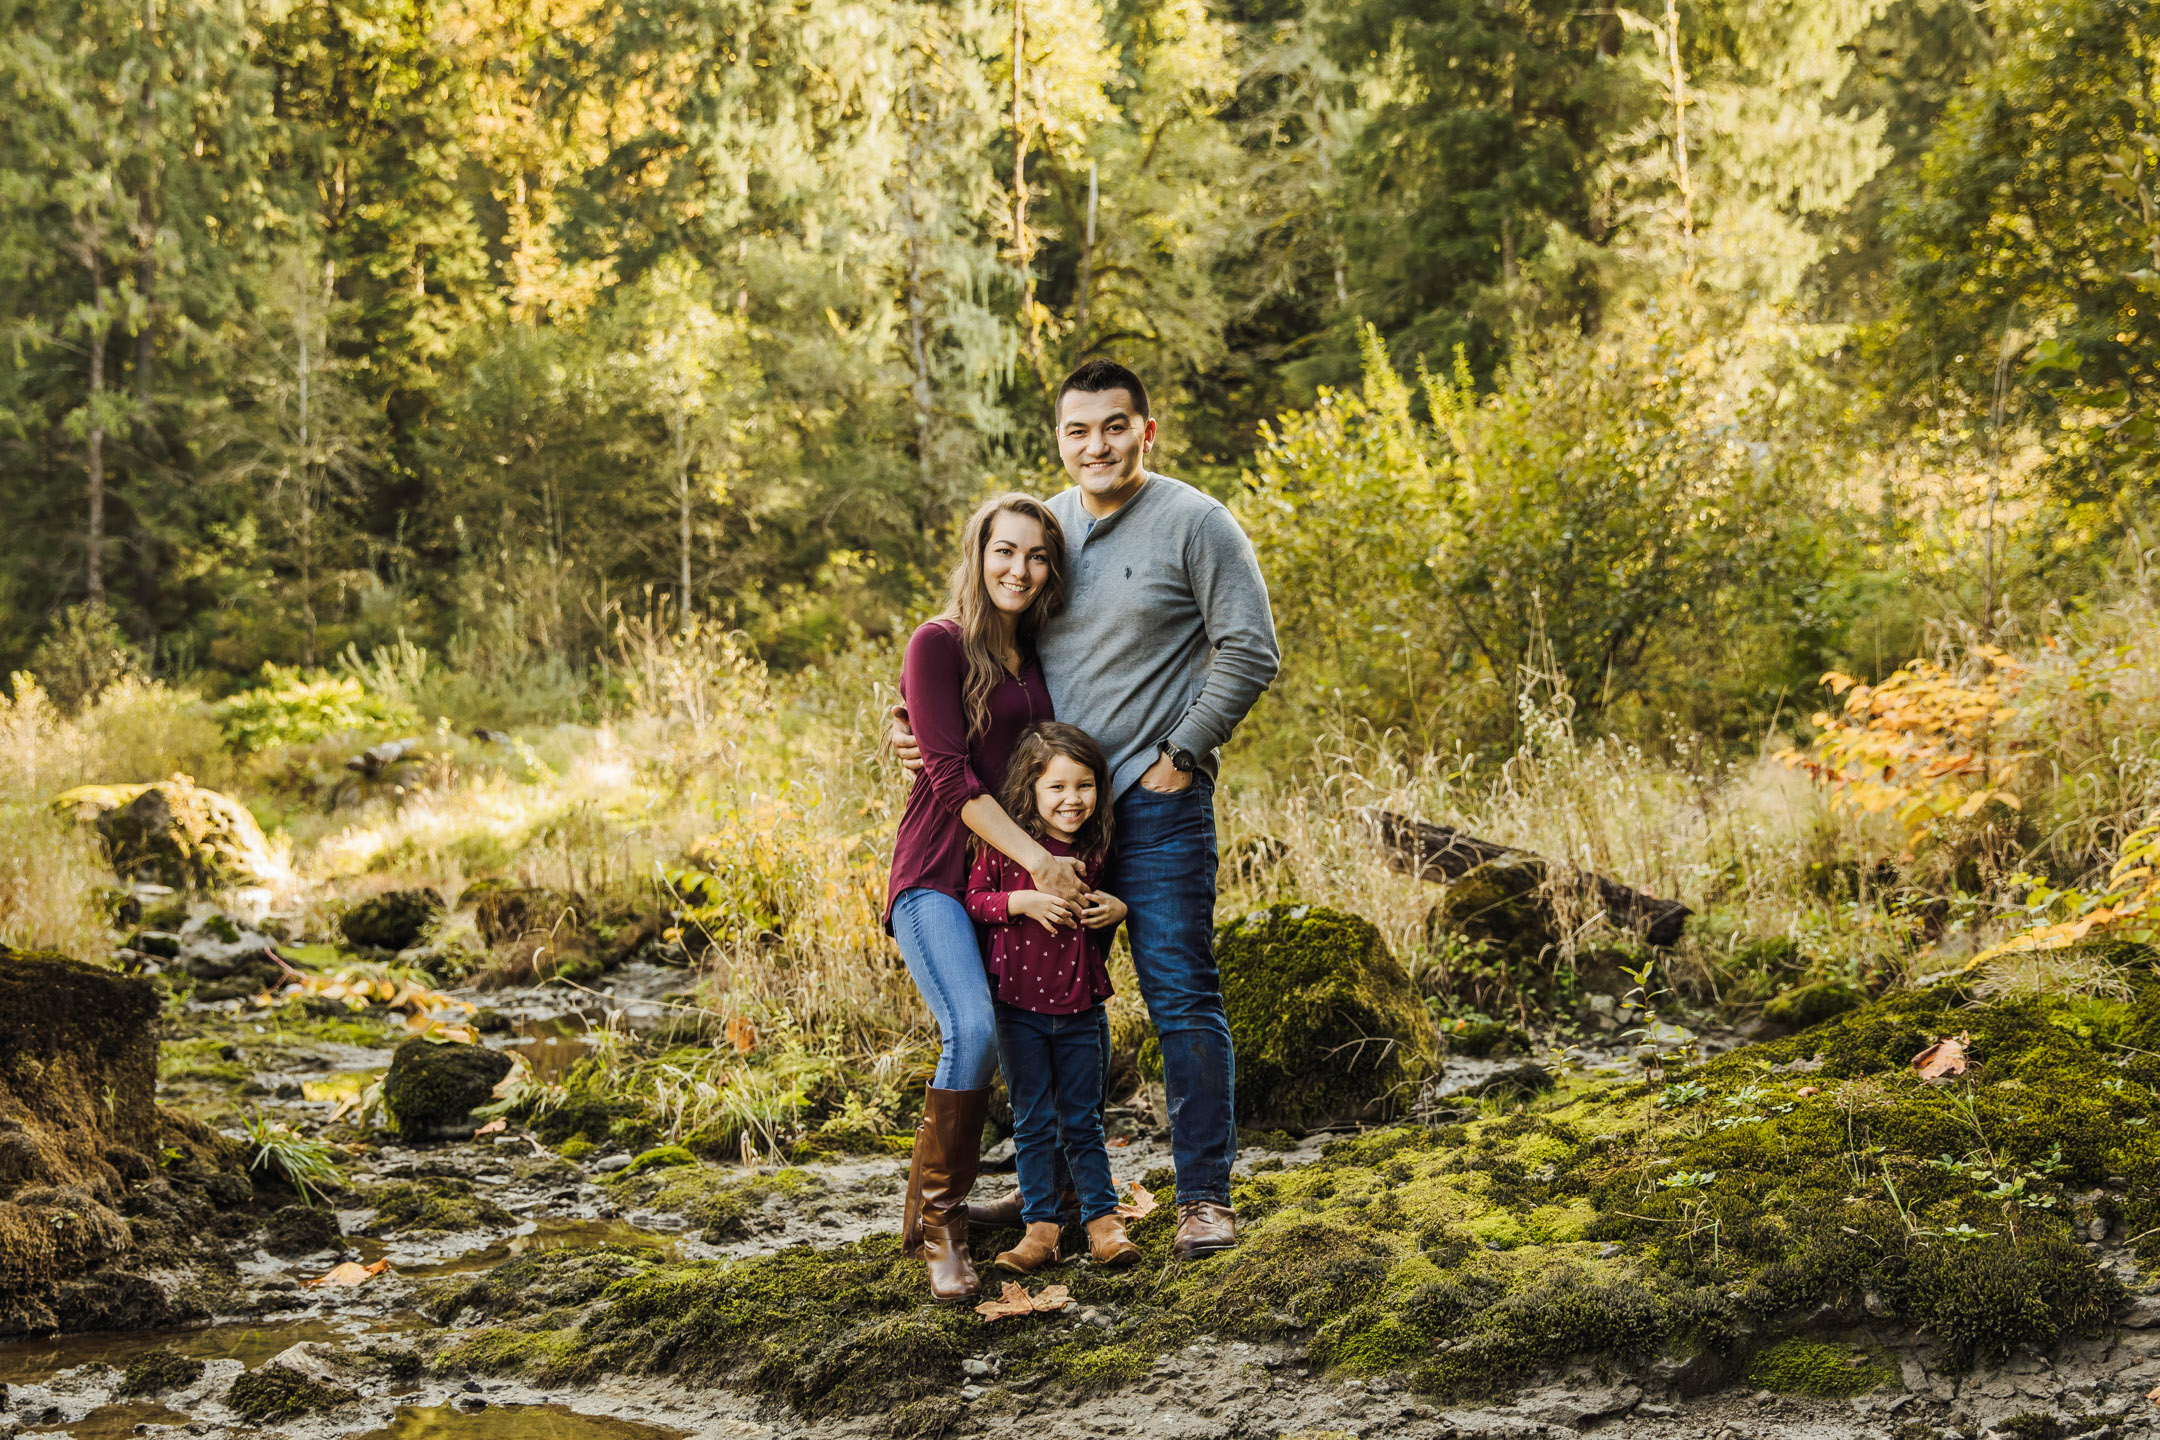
(81, 1140)
(435, 1205)
(1326, 1023)
(1504, 903)
(393, 920)
(173, 832)
(434, 1086)
(303, 1230)
(156, 1371)
(276, 1393)
(1813, 1004)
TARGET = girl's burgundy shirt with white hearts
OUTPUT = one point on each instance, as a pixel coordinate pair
(1061, 973)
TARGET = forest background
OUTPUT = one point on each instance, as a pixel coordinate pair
(1679, 354)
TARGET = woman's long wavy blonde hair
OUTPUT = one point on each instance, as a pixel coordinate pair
(968, 603)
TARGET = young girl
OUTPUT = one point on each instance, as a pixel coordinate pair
(1046, 962)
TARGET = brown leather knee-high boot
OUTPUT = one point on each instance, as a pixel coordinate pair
(948, 1148)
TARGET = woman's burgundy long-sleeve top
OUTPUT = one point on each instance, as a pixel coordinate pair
(931, 851)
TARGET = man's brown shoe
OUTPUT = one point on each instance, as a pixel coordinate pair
(1107, 1242)
(1001, 1212)
(1203, 1228)
(1037, 1248)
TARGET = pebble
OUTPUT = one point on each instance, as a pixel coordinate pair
(977, 1368)
(612, 1164)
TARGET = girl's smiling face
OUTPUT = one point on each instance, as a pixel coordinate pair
(1065, 796)
(1015, 562)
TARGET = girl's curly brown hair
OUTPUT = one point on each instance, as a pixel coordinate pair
(1031, 756)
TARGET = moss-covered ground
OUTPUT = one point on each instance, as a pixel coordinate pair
(1782, 1192)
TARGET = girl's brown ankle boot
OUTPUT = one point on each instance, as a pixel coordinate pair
(1037, 1248)
(1107, 1243)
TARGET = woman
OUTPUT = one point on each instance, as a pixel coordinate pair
(972, 685)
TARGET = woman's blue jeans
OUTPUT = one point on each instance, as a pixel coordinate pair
(1054, 1068)
(937, 939)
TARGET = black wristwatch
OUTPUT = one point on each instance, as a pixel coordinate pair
(1180, 760)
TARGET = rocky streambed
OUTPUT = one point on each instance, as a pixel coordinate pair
(1756, 1241)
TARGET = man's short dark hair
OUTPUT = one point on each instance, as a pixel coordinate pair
(1097, 376)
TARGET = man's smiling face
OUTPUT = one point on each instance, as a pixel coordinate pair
(1104, 441)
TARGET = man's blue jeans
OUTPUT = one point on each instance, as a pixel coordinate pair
(1163, 868)
(1054, 1069)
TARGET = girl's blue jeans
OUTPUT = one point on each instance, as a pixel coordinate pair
(1054, 1068)
(937, 939)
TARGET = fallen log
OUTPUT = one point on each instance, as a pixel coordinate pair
(1440, 852)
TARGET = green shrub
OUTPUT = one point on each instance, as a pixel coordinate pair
(297, 707)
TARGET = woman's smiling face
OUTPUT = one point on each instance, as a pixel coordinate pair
(1016, 562)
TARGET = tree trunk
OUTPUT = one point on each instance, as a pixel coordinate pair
(1437, 852)
(1021, 246)
(94, 461)
(1087, 272)
(918, 347)
(682, 491)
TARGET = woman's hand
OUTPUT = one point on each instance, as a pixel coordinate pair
(1100, 911)
(1045, 910)
(902, 740)
(1059, 875)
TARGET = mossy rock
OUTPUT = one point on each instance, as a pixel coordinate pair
(393, 920)
(437, 1205)
(173, 832)
(303, 1230)
(156, 1371)
(1808, 1367)
(432, 1086)
(276, 1392)
(1502, 902)
(79, 1128)
(660, 1158)
(1485, 1039)
(1326, 1023)
(1813, 1004)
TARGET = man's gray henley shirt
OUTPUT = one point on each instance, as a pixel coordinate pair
(1166, 632)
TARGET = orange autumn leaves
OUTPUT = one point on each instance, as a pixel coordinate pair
(350, 1273)
(1926, 745)
(1015, 1300)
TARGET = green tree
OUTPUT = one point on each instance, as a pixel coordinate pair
(2023, 256)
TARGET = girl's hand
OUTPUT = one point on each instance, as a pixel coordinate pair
(1045, 910)
(1100, 911)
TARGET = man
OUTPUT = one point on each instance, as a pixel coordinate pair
(1165, 644)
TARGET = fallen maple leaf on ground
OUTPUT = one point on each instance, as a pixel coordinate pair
(350, 1273)
(494, 1127)
(742, 1035)
(1138, 1201)
(1942, 1059)
(1012, 1301)
(1015, 1300)
(1809, 1090)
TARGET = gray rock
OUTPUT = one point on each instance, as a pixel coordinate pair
(612, 1163)
(979, 1369)
(1577, 1408)
(2142, 1312)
